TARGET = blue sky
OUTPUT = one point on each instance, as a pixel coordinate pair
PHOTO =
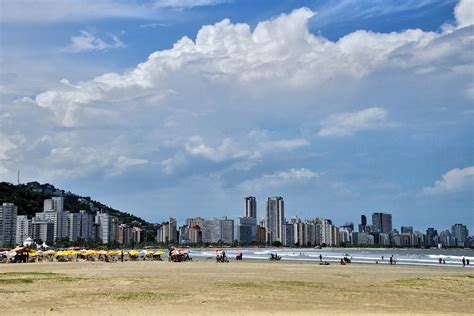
(182, 108)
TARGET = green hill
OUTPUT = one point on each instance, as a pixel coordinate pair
(29, 198)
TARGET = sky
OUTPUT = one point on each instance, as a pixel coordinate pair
(181, 108)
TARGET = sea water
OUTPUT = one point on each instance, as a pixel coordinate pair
(452, 257)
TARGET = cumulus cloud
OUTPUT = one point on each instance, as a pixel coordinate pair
(278, 179)
(346, 124)
(233, 96)
(88, 41)
(278, 53)
(454, 180)
(464, 13)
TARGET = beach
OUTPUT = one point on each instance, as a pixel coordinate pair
(248, 287)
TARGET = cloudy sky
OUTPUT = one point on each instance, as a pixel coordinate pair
(182, 108)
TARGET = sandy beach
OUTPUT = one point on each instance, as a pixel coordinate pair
(206, 287)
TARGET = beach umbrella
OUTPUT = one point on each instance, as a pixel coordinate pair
(159, 253)
(133, 253)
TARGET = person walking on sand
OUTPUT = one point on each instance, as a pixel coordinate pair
(391, 259)
(320, 258)
(121, 256)
(463, 261)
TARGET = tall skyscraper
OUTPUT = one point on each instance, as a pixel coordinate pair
(247, 230)
(431, 237)
(461, 233)
(8, 215)
(211, 230)
(275, 219)
(363, 223)
(23, 227)
(250, 209)
(227, 230)
(382, 222)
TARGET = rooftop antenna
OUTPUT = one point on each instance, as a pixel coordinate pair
(18, 179)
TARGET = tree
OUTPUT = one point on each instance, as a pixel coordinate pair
(277, 244)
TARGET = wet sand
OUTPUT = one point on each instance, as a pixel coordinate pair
(241, 288)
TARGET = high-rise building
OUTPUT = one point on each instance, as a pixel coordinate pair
(406, 229)
(227, 230)
(250, 209)
(107, 227)
(363, 223)
(382, 222)
(431, 237)
(289, 234)
(42, 230)
(211, 231)
(125, 234)
(137, 235)
(54, 204)
(461, 233)
(23, 227)
(8, 216)
(275, 219)
(247, 230)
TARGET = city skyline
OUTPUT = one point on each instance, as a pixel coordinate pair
(176, 109)
(55, 224)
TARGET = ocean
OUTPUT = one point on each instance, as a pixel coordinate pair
(452, 257)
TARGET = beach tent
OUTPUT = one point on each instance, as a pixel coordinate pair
(159, 253)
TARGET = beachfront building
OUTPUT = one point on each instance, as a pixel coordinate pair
(246, 230)
(42, 230)
(345, 235)
(8, 217)
(363, 239)
(195, 229)
(23, 228)
(227, 230)
(137, 235)
(211, 231)
(461, 233)
(323, 231)
(275, 219)
(107, 227)
(125, 234)
(382, 222)
(167, 232)
(431, 237)
(79, 226)
(250, 207)
(53, 212)
(363, 223)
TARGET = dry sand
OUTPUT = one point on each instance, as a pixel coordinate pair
(242, 288)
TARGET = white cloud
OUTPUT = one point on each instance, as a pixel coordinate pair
(464, 13)
(88, 41)
(454, 180)
(278, 179)
(252, 146)
(346, 124)
(280, 54)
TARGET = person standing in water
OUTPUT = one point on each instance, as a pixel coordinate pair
(463, 261)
